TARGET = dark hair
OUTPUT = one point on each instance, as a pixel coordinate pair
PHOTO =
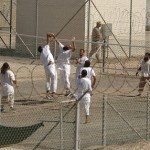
(83, 73)
(5, 67)
(40, 49)
(146, 59)
(65, 48)
(87, 63)
(82, 50)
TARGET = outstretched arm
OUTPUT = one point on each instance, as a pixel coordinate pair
(73, 44)
(50, 37)
(57, 41)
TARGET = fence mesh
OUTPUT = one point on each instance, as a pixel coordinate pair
(117, 115)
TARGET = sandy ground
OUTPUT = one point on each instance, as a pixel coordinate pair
(125, 114)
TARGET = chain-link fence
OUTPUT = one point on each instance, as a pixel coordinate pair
(23, 30)
(117, 115)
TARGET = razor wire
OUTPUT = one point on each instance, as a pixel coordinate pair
(32, 77)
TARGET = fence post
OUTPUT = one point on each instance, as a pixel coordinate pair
(147, 118)
(37, 27)
(88, 26)
(104, 54)
(130, 33)
(77, 145)
(103, 120)
(61, 127)
(11, 9)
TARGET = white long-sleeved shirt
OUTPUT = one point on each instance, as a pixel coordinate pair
(6, 81)
(46, 56)
(64, 56)
(80, 64)
(84, 85)
(145, 68)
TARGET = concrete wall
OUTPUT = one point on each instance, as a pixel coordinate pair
(38, 16)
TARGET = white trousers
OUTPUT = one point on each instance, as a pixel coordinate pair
(86, 102)
(77, 75)
(7, 99)
(51, 78)
(65, 75)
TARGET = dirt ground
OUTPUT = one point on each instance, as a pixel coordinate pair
(125, 114)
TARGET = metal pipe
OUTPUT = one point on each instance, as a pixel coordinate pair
(88, 26)
(147, 118)
(4, 42)
(10, 29)
(77, 145)
(130, 34)
(61, 127)
(103, 121)
(104, 53)
(36, 39)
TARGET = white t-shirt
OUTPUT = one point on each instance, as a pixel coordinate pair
(145, 68)
(6, 81)
(82, 61)
(64, 56)
(46, 56)
(90, 72)
(84, 85)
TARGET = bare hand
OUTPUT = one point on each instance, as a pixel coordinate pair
(73, 39)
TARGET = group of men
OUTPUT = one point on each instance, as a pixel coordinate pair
(85, 78)
(84, 73)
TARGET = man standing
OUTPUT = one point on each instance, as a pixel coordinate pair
(145, 74)
(97, 38)
(90, 72)
(80, 63)
(83, 93)
(7, 80)
(63, 63)
(47, 60)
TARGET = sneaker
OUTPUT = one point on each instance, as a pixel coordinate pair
(87, 120)
(12, 108)
(48, 96)
(2, 110)
(53, 94)
(68, 93)
(138, 94)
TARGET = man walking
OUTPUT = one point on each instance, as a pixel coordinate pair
(96, 38)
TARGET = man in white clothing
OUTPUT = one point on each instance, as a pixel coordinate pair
(63, 63)
(90, 72)
(7, 79)
(47, 60)
(84, 93)
(80, 63)
(144, 69)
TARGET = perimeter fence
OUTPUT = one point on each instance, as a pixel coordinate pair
(22, 31)
(118, 116)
